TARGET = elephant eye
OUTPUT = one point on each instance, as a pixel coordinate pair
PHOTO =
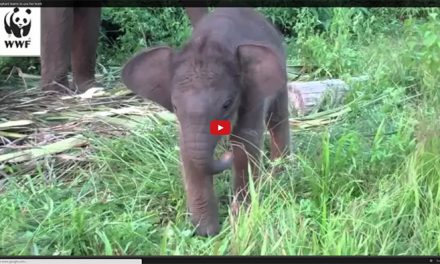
(174, 108)
(227, 104)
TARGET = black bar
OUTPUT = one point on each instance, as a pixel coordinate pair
(222, 3)
(257, 260)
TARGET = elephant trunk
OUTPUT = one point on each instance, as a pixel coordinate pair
(223, 164)
(197, 149)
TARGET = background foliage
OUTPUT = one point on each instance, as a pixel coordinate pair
(127, 30)
(124, 31)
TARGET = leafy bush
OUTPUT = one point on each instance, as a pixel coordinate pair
(334, 51)
(27, 64)
(128, 30)
(424, 40)
(139, 28)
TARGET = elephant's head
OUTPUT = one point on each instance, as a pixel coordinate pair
(203, 82)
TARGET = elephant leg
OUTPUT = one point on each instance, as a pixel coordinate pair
(196, 13)
(85, 43)
(277, 121)
(56, 44)
(246, 141)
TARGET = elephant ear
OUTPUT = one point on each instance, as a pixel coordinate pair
(262, 68)
(148, 74)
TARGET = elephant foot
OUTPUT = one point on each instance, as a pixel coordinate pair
(279, 161)
(84, 86)
(206, 222)
(65, 88)
(278, 169)
(58, 87)
(235, 208)
(208, 229)
(240, 201)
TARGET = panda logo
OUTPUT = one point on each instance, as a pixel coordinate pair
(18, 22)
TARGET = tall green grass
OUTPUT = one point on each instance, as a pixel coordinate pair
(366, 185)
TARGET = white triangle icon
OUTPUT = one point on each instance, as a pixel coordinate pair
(219, 127)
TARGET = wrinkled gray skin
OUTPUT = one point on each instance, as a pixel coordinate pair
(70, 39)
(234, 68)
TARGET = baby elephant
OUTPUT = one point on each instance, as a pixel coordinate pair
(233, 68)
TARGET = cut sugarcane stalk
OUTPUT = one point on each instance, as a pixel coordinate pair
(35, 153)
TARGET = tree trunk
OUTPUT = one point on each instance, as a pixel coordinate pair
(307, 96)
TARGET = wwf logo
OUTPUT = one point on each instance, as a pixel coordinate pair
(18, 22)
(20, 31)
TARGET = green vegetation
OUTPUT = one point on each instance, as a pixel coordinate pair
(368, 183)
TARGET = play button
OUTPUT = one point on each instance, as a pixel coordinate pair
(220, 127)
